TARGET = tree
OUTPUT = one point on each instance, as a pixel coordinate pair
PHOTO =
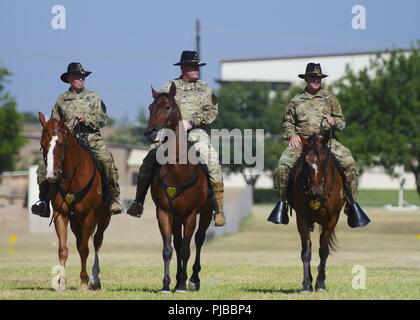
(252, 105)
(382, 108)
(10, 126)
(129, 133)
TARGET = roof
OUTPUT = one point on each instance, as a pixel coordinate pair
(355, 53)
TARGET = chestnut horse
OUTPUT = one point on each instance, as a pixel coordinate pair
(180, 191)
(317, 194)
(77, 195)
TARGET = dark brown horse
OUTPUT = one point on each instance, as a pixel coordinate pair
(180, 191)
(317, 195)
(76, 194)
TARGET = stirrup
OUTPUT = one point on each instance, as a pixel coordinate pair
(41, 208)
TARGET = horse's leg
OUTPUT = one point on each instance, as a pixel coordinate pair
(200, 236)
(165, 227)
(305, 236)
(95, 281)
(189, 228)
(83, 248)
(61, 224)
(177, 233)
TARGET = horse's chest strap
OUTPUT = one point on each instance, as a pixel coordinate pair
(173, 192)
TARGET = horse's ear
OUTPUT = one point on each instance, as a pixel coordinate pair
(155, 94)
(172, 90)
(42, 119)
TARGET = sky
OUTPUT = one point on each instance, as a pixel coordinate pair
(130, 45)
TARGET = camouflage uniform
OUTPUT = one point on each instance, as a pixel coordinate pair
(89, 103)
(302, 117)
(198, 105)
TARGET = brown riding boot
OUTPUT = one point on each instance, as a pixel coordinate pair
(143, 183)
(144, 178)
(219, 216)
(115, 206)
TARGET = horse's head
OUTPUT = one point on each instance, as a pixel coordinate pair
(53, 141)
(315, 154)
(164, 113)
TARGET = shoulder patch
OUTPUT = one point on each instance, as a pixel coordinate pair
(214, 99)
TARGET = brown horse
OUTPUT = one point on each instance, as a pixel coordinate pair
(76, 194)
(317, 195)
(180, 192)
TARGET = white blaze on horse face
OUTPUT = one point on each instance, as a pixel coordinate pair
(315, 167)
(50, 158)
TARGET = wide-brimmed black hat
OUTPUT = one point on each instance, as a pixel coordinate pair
(74, 67)
(313, 69)
(190, 58)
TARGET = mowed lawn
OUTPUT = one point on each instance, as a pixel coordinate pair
(262, 261)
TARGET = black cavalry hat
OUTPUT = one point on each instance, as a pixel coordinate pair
(313, 69)
(190, 58)
(74, 67)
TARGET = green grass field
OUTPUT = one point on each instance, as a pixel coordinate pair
(262, 261)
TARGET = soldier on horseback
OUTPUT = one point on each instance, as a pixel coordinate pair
(79, 106)
(303, 116)
(199, 107)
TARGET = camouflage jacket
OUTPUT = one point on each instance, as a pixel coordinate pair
(196, 100)
(86, 102)
(305, 111)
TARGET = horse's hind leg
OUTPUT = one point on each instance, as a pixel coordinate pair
(323, 254)
(177, 233)
(95, 281)
(306, 253)
(189, 228)
(165, 227)
(200, 236)
(324, 251)
(61, 224)
(83, 248)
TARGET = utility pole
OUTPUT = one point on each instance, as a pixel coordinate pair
(197, 37)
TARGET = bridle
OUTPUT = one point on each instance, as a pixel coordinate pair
(316, 201)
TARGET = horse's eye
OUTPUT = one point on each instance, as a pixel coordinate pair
(168, 107)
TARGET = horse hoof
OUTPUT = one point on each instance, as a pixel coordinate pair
(180, 288)
(83, 287)
(94, 284)
(306, 289)
(60, 284)
(193, 286)
(180, 291)
(320, 287)
(165, 291)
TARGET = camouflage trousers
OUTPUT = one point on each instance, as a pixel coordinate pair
(208, 156)
(290, 156)
(103, 155)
